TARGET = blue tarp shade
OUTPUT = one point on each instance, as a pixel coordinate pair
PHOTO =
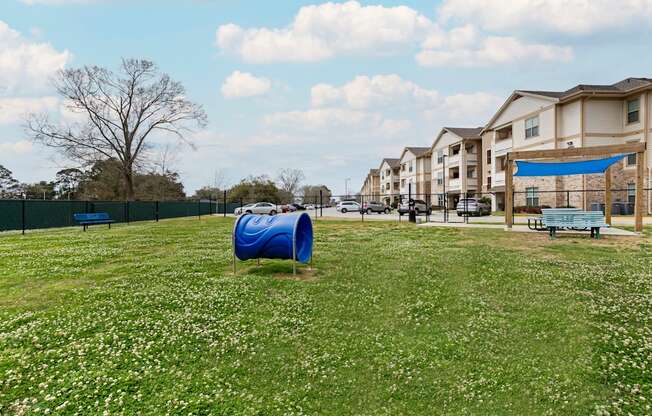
(565, 168)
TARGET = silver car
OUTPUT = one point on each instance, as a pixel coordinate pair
(257, 208)
(472, 207)
(346, 206)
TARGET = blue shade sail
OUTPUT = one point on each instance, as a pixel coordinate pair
(565, 168)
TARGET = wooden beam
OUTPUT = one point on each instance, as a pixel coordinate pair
(607, 195)
(509, 187)
(639, 203)
(579, 151)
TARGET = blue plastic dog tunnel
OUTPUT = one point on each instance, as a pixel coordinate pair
(287, 237)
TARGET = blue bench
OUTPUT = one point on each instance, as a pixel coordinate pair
(573, 219)
(86, 220)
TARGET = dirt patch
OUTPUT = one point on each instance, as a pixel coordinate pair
(304, 274)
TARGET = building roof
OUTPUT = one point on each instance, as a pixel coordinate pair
(392, 162)
(466, 132)
(374, 172)
(620, 88)
(418, 151)
(624, 86)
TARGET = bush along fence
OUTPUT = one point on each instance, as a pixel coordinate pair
(26, 214)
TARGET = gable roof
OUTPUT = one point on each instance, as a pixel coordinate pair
(417, 151)
(392, 162)
(620, 88)
(464, 133)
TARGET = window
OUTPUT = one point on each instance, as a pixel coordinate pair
(532, 197)
(489, 157)
(411, 166)
(402, 183)
(630, 160)
(633, 110)
(631, 192)
(440, 200)
(440, 178)
(403, 167)
(488, 182)
(532, 127)
(440, 156)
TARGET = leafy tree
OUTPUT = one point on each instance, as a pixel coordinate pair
(255, 189)
(121, 112)
(39, 190)
(208, 192)
(67, 182)
(311, 194)
(9, 187)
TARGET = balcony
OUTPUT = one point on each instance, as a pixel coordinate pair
(502, 146)
(453, 160)
(471, 158)
(454, 184)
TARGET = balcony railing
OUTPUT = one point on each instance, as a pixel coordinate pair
(453, 160)
(454, 184)
(499, 179)
(502, 146)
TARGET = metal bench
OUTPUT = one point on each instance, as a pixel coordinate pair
(86, 220)
(573, 219)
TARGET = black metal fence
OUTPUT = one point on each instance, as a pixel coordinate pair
(27, 214)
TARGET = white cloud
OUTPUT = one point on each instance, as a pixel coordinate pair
(466, 47)
(20, 147)
(322, 31)
(14, 109)
(564, 16)
(380, 90)
(243, 84)
(477, 106)
(25, 65)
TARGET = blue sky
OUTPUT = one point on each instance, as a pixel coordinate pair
(330, 88)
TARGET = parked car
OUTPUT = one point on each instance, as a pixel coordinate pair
(257, 208)
(288, 208)
(472, 207)
(298, 207)
(375, 206)
(420, 207)
(311, 206)
(346, 206)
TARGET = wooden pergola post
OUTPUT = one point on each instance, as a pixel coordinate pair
(509, 188)
(607, 195)
(639, 203)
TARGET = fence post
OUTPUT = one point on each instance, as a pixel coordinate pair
(321, 204)
(199, 208)
(567, 199)
(224, 204)
(156, 213)
(23, 215)
(127, 211)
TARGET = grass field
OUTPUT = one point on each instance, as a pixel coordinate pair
(394, 320)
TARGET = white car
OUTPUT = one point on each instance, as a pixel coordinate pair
(346, 206)
(257, 208)
(311, 206)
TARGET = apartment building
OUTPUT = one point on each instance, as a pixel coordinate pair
(371, 186)
(456, 164)
(414, 172)
(390, 180)
(585, 115)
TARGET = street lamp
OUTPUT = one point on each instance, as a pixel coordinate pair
(443, 181)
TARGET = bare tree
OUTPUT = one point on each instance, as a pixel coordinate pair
(121, 110)
(290, 179)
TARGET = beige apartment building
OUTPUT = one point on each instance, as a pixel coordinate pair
(414, 172)
(585, 115)
(456, 164)
(390, 180)
(371, 186)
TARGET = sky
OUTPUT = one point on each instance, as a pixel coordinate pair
(330, 88)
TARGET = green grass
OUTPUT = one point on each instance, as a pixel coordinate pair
(394, 320)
